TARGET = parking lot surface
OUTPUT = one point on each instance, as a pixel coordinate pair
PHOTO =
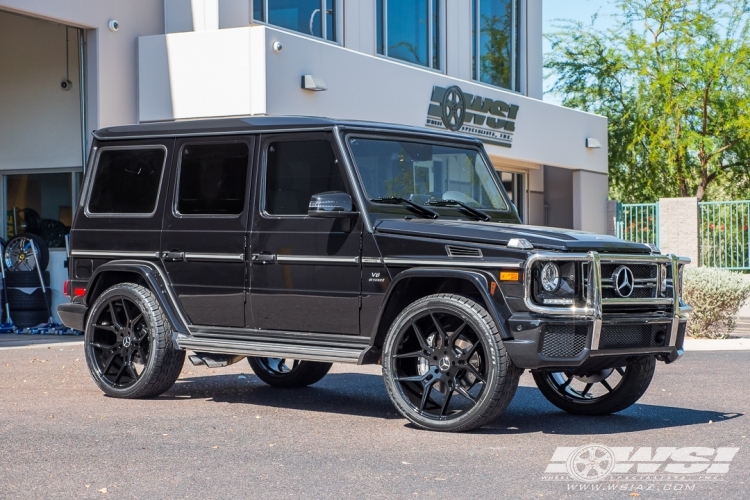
(224, 434)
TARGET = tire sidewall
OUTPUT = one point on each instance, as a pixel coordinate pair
(480, 328)
(131, 292)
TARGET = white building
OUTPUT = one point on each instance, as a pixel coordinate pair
(70, 67)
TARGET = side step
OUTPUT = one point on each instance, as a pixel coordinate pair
(271, 349)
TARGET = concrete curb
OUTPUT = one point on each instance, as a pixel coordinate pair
(717, 345)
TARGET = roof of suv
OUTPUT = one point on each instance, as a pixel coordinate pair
(223, 126)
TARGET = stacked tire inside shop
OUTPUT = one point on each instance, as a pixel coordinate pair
(29, 305)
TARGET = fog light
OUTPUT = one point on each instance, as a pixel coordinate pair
(660, 338)
(550, 277)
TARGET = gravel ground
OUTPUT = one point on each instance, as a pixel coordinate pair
(222, 433)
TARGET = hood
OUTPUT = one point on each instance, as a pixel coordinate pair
(498, 233)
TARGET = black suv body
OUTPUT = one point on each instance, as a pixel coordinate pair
(298, 242)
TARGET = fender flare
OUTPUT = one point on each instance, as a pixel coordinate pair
(479, 279)
(154, 278)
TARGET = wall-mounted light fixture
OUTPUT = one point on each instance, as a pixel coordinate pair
(313, 83)
(277, 47)
(592, 143)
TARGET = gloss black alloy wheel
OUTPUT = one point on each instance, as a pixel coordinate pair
(445, 366)
(601, 392)
(128, 344)
(288, 372)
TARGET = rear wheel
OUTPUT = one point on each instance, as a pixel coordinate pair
(445, 366)
(287, 372)
(128, 344)
(601, 392)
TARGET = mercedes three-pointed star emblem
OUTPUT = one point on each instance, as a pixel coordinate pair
(623, 281)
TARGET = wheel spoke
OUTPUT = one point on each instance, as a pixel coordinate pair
(101, 346)
(620, 370)
(135, 320)
(109, 328)
(447, 401)
(567, 382)
(440, 330)
(131, 371)
(121, 372)
(466, 394)
(426, 395)
(470, 368)
(412, 378)
(586, 389)
(415, 354)
(468, 354)
(606, 384)
(456, 333)
(112, 314)
(108, 364)
(420, 337)
(125, 310)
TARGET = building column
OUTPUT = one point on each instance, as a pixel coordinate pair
(679, 225)
(590, 193)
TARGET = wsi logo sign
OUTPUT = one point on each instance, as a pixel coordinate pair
(596, 462)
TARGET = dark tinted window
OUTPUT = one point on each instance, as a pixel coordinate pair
(213, 179)
(296, 170)
(127, 181)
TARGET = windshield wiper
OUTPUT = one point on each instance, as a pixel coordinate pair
(397, 200)
(473, 211)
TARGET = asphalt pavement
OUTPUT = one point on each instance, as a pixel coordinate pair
(223, 434)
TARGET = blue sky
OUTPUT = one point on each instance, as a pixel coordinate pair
(579, 10)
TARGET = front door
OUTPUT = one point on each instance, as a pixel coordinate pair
(203, 236)
(305, 271)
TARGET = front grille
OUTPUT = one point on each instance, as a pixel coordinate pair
(640, 271)
(634, 336)
(564, 341)
(639, 292)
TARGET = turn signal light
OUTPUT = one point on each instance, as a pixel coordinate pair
(65, 288)
(509, 275)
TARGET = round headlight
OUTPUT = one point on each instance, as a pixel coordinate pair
(550, 277)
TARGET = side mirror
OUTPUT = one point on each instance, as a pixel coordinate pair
(332, 205)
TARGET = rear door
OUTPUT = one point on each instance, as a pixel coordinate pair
(305, 271)
(203, 238)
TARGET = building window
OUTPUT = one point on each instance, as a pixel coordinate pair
(409, 30)
(515, 188)
(495, 42)
(303, 16)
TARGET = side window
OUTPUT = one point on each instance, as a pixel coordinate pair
(213, 179)
(127, 181)
(295, 171)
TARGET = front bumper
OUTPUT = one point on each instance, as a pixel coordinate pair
(602, 334)
(553, 343)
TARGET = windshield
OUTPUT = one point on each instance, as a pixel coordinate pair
(424, 173)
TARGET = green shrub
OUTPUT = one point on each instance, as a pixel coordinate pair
(716, 296)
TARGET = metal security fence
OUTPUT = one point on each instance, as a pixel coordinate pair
(724, 234)
(638, 222)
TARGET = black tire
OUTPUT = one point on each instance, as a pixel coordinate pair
(25, 279)
(22, 301)
(276, 372)
(27, 319)
(445, 366)
(127, 330)
(620, 387)
(18, 253)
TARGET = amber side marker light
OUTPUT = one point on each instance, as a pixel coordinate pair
(509, 275)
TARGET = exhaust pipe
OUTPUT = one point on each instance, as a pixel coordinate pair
(214, 360)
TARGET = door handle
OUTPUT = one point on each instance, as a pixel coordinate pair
(263, 258)
(173, 256)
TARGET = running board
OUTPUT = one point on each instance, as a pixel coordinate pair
(271, 349)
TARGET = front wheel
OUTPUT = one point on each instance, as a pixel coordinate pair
(287, 372)
(598, 393)
(445, 366)
(128, 344)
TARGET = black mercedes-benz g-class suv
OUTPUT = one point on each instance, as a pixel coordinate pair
(298, 242)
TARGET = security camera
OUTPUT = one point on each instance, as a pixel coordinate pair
(113, 25)
(66, 85)
(277, 46)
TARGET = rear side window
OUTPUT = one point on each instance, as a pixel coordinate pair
(213, 179)
(295, 171)
(127, 181)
